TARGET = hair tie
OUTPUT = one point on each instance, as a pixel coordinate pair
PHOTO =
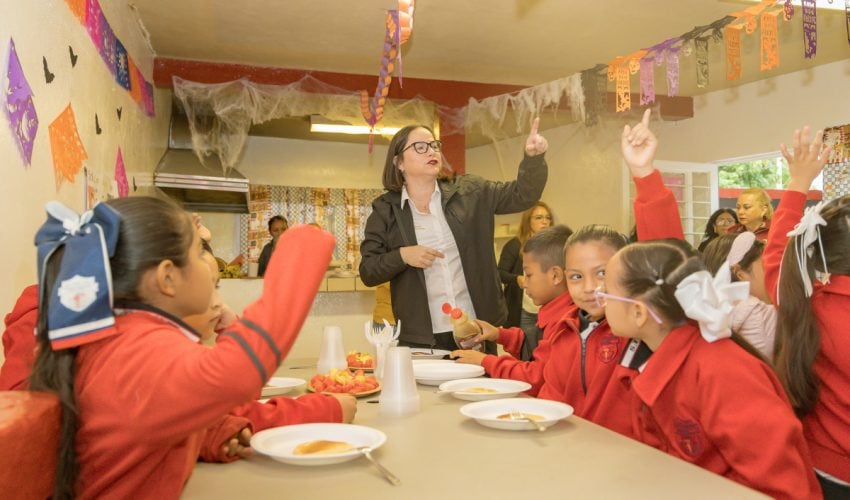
(709, 301)
(806, 232)
(79, 309)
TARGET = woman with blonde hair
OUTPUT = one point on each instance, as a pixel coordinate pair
(754, 213)
(521, 309)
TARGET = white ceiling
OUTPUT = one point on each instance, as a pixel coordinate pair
(523, 42)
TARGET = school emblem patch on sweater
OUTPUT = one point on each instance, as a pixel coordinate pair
(690, 436)
(78, 292)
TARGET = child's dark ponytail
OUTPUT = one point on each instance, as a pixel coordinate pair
(53, 371)
(797, 332)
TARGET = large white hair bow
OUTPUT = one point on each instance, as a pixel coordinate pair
(806, 232)
(709, 300)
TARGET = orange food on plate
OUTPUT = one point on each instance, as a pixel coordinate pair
(358, 359)
(344, 381)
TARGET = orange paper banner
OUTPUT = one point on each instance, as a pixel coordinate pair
(66, 147)
(135, 83)
(78, 8)
(769, 40)
(733, 52)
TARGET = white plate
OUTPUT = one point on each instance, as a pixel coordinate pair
(505, 388)
(279, 442)
(485, 412)
(425, 353)
(438, 371)
(281, 385)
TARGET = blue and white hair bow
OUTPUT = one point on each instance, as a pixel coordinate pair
(806, 232)
(79, 308)
(709, 300)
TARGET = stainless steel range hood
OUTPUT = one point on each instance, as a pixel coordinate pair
(199, 187)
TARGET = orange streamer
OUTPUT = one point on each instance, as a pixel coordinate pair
(769, 40)
(733, 52)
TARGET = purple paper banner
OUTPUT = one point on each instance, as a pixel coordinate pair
(647, 80)
(671, 57)
(108, 45)
(789, 10)
(121, 176)
(19, 106)
(810, 28)
(122, 70)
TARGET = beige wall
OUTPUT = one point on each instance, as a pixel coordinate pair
(46, 29)
(755, 118)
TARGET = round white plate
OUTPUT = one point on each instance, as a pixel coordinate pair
(438, 371)
(279, 442)
(486, 412)
(505, 388)
(424, 353)
(281, 385)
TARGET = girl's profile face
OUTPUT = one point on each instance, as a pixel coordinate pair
(585, 270)
(206, 322)
(755, 276)
(195, 286)
(617, 311)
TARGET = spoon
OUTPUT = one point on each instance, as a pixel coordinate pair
(516, 415)
(367, 452)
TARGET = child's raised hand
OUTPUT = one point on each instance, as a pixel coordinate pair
(488, 331)
(239, 445)
(468, 356)
(348, 404)
(536, 144)
(227, 318)
(639, 144)
(807, 160)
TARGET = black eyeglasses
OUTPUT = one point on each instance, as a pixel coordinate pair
(421, 147)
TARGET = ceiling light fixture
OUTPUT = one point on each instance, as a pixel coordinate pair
(323, 125)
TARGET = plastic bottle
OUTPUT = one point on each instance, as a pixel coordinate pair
(467, 334)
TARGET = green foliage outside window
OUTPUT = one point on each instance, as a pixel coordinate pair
(770, 173)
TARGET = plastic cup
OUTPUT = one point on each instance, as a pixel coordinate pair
(399, 396)
(332, 352)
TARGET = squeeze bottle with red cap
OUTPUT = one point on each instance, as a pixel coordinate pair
(467, 334)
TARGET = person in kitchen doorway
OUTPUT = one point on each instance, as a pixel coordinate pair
(277, 225)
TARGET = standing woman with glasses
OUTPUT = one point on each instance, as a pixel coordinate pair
(719, 222)
(432, 237)
(521, 309)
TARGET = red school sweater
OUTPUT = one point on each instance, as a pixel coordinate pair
(149, 394)
(19, 343)
(719, 407)
(509, 365)
(827, 426)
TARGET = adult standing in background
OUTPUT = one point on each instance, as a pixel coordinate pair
(754, 213)
(719, 222)
(521, 309)
(277, 225)
(432, 237)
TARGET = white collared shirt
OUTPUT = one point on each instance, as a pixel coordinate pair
(444, 280)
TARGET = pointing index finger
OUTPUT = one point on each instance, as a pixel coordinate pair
(646, 115)
(534, 125)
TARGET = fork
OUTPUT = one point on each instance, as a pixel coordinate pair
(515, 415)
(366, 451)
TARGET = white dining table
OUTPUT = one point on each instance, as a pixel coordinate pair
(437, 453)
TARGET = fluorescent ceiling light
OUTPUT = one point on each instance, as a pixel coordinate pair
(821, 4)
(319, 124)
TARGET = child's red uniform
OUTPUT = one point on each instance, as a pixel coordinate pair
(719, 407)
(19, 341)
(151, 399)
(582, 376)
(827, 427)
